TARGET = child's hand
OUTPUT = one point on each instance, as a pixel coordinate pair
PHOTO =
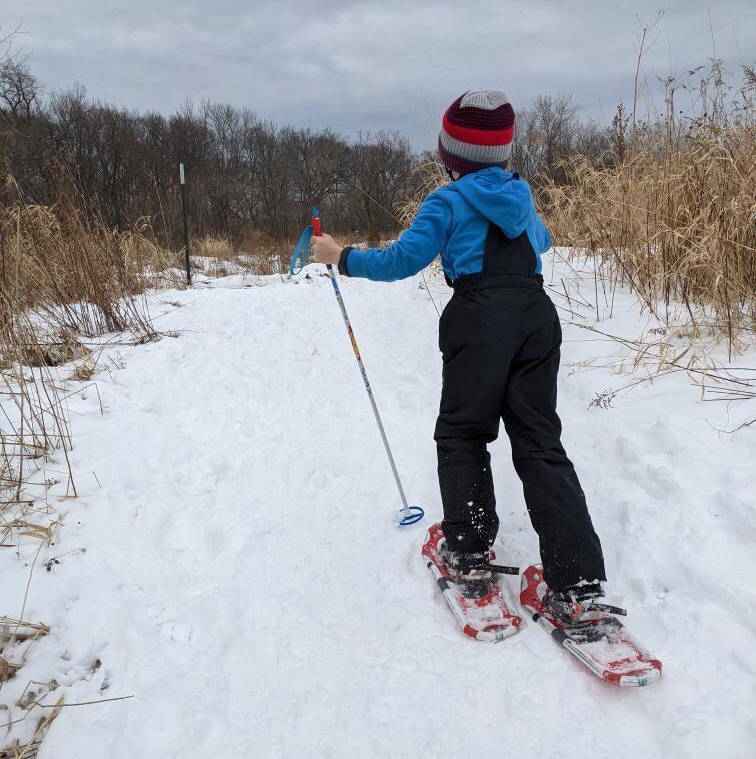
(325, 249)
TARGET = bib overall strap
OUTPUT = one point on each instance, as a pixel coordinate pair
(507, 262)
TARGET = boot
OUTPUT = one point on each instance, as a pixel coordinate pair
(579, 604)
(470, 571)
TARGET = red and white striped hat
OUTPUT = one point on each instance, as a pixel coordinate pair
(477, 131)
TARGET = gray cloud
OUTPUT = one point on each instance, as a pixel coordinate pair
(366, 65)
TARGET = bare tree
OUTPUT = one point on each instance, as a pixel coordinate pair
(20, 90)
(380, 169)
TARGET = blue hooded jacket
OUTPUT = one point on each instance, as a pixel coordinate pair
(454, 221)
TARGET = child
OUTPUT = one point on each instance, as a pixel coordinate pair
(500, 337)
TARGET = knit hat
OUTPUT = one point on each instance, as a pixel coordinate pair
(476, 131)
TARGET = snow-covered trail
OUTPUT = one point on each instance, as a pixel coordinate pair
(244, 581)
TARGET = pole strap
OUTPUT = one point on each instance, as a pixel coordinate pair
(299, 259)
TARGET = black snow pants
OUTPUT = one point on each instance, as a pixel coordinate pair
(500, 338)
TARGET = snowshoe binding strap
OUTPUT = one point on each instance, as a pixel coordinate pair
(576, 607)
(604, 608)
(580, 604)
(497, 569)
(479, 587)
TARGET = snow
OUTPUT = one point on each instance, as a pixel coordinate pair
(245, 583)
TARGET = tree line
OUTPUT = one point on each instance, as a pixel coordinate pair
(245, 176)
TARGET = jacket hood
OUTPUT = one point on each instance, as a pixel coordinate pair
(502, 197)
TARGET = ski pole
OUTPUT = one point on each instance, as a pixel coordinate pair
(408, 514)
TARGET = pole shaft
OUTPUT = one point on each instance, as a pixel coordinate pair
(185, 215)
(348, 324)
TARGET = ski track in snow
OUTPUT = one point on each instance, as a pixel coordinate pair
(244, 581)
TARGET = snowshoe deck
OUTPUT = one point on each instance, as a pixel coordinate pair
(603, 645)
(488, 618)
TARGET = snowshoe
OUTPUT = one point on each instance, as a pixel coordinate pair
(589, 630)
(470, 589)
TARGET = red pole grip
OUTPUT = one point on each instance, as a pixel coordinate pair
(316, 226)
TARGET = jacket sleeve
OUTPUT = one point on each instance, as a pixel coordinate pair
(416, 248)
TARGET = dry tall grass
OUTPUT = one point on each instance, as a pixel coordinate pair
(257, 254)
(63, 276)
(34, 428)
(429, 176)
(675, 218)
(66, 267)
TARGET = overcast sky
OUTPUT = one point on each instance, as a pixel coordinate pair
(367, 65)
